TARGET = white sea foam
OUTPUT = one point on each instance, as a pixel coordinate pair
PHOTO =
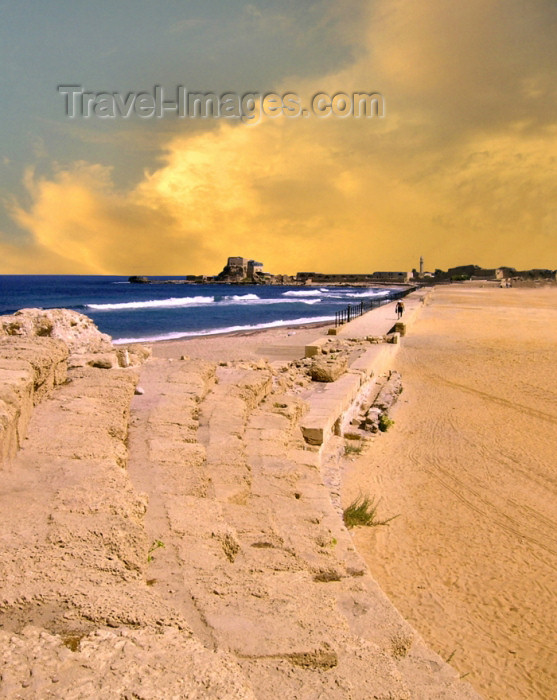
(337, 293)
(230, 329)
(281, 301)
(179, 302)
(304, 293)
(365, 295)
(172, 303)
(242, 297)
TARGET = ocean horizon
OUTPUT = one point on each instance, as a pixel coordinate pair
(156, 312)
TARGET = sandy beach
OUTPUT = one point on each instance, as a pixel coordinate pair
(469, 468)
(169, 515)
(285, 343)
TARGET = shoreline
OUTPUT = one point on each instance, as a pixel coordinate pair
(226, 334)
(284, 343)
(270, 326)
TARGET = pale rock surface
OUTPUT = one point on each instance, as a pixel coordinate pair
(132, 355)
(77, 331)
(328, 369)
(210, 564)
(29, 370)
(79, 617)
(389, 392)
(123, 663)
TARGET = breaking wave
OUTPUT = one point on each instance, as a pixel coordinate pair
(242, 297)
(325, 294)
(178, 302)
(304, 293)
(172, 303)
(363, 295)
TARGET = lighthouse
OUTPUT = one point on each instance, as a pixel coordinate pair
(421, 266)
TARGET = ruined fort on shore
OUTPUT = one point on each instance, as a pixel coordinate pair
(239, 270)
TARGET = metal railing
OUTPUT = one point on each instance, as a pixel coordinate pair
(352, 311)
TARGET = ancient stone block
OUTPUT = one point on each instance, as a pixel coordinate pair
(328, 370)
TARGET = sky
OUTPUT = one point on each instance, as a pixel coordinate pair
(460, 167)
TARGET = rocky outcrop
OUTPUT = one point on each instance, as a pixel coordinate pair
(78, 614)
(77, 331)
(139, 279)
(29, 369)
(87, 346)
(36, 349)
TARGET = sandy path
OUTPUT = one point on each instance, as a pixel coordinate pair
(470, 467)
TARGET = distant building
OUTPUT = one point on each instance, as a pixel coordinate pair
(505, 272)
(324, 278)
(397, 277)
(238, 262)
(239, 270)
(472, 272)
(535, 274)
(254, 268)
(462, 270)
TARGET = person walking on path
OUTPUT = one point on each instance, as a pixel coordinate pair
(399, 308)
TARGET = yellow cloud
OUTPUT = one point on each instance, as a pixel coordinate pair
(460, 170)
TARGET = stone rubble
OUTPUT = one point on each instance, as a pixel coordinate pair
(370, 416)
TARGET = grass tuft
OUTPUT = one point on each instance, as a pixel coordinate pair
(353, 449)
(385, 422)
(363, 512)
(157, 544)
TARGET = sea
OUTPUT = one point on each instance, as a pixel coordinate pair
(131, 312)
